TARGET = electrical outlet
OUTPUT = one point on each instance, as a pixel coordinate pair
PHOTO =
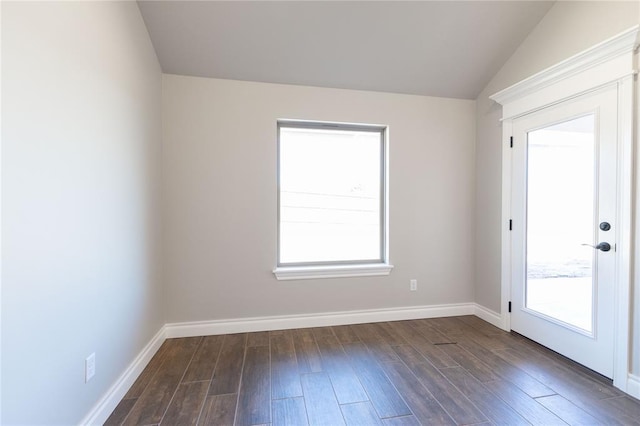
(89, 367)
(413, 285)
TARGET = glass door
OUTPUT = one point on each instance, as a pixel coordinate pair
(561, 196)
(563, 237)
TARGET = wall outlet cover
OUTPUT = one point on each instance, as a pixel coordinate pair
(89, 367)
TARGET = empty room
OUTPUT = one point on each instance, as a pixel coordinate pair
(319, 212)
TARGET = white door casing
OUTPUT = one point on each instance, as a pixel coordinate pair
(563, 186)
(608, 64)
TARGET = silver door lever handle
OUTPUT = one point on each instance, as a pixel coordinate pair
(601, 246)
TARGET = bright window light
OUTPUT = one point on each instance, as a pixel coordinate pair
(331, 194)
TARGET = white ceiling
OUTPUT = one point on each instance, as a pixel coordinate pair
(436, 48)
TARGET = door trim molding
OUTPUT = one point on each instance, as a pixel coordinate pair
(600, 61)
(608, 63)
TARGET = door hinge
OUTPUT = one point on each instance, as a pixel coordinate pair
(510, 225)
(511, 142)
(509, 306)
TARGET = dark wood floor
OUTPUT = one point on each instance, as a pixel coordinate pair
(446, 371)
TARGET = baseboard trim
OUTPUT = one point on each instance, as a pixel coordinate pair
(105, 406)
(633, 386)
(492, 317)
(244, 325)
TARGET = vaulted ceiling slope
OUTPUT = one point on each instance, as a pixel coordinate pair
(435, 48)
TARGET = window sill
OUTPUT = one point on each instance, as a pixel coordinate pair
(333, 271)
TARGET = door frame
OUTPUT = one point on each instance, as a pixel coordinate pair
(610, 63)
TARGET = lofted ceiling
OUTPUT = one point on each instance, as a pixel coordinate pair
(436, 48)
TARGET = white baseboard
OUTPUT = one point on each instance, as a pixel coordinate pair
(243, 325)
(633, 386)
(105, 406)
(492, 317)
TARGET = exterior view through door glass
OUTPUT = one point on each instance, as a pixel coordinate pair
(560, 204)
(564, 227)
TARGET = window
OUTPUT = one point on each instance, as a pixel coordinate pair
(331, 200)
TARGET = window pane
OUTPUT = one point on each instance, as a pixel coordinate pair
(330, 195)
(560, 218)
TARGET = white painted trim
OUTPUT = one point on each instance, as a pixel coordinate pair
(602, 65)
(486, 314)
(624, 236)
(333, 271)
(608, 63)
(505, 267)
(633, 386)
(105, 406)
(1, 257)
(243, 325)
(620, 44)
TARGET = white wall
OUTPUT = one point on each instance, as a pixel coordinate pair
(80, 165)
(219, 204)
(1, 257)
(635, 325)
(568, 28)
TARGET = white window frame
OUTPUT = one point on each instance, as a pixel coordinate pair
(338, 269)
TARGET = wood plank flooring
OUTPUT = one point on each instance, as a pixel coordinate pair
(440, 371)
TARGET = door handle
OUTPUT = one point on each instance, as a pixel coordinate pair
(601, 246)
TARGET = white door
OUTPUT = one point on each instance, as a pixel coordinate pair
(564, 227)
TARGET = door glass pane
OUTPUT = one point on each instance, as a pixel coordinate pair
(560, 218)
